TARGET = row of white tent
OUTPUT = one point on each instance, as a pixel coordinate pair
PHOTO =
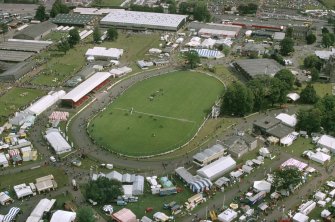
(64, 28)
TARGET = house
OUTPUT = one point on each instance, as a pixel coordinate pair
(239, 145)
(209, 155)
(36, 31)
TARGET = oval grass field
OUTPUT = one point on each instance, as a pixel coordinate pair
(156, 115)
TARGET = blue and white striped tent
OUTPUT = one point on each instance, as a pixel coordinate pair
(210, 54)
(11, 214)
(200, 185)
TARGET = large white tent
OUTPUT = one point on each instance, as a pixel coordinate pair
(328, 142)
(290, 120)
(64, 216)
(227, 215)
(22, 190)
(45, 102)
(217, 168)
(57, 141)
(262, 185)
(43, 206)
(299, 217)
(103, 53)
(320, 157)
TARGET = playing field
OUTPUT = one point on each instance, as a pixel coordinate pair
(156, 115)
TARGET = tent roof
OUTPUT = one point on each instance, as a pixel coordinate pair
(287, 119)
(293, 96)
(262, 185)
(56, 140)
(299, 217)
(217, 167)
(125, 215)
(64, 216)
(327, 141)
(293, 162)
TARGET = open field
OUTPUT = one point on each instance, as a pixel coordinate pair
(156, 115)
(16, 98)
(329, 3)
(60, 67)
(8, 181)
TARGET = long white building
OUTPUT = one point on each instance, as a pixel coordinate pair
(143, 20)
(57, 141)
(218, 168)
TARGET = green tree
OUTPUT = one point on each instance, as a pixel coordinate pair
(324, 30)
(312, 61)
(310, 38)
(192, 58)
(287, 178)
(308, 95)
(328, 39)
(289, 32)
(277, 91)
(103, 190)
(327, 107)
(57, 8)
(258, 89)
(85, 214)
(96, 35)
(4, 27)
(238, 100)
(201, 13)
(172, 7)
(74, 37)
(315, 74)
(112, 34)
(63, 46)
(40, 13)
(184, 8)
(309, 120)
(286, 46)
(286, 76)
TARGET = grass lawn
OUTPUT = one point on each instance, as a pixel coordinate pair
(321, 89)
(329, 3)
(299, 146)
(8, 181)
(16, 98)
(167, 111)
(224, 74)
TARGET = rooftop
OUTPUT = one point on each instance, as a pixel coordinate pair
(24, 45)
(36, 30)
(73, 19)
(267, 122)
(14, 56)
(256, 67)
(280, 131)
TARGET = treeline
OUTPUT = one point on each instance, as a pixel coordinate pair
(250, 8)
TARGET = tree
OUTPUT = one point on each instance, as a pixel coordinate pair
(328, 39)
(40, 13)
(172, 7)
(289, 32)
(103, 190)
(112, 34)
(286, 46)
(313, 61)
(310, 38)
(257, 88)
(238, 100)
(308, 95)
(85, 214)
(201, 13)
(74, 37)
(287, 178)
(309, 120)
(192, 58)
(327, 107)
(96, 35)
(324, 30)
(315, 74)
(63, 46)
(184, 8)
(57, 8)
(277, 91)
(4, 27)
(251, 8)
(286, 76)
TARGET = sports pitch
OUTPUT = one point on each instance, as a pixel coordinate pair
(156, 115)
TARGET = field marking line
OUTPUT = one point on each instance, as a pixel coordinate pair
(150, 114)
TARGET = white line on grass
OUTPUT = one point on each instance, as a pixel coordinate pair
(150, 114)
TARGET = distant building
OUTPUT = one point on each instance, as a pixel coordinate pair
(17, 71)
(300, 32)
(75, 20)
(252, 68)
(278, 36)
(271, 126)
(240, 145)
(36, 31)
(209, 155)
(253, 49)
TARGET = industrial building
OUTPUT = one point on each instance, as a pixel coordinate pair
(36, 31)
(24, 45)
(217, 34)
(271, 126)
(252, 68)
(74, 19)
(17, 71)
(78, 95)
(143, 20)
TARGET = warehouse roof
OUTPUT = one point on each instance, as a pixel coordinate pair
(143, 18)
(255, 67)
(87, 86)
(17, 71)
(14, 56)
(204, 31)
(73, 19)
(93, 11)
(24, 45)
(36, 30)
(199, 25)
(217, 168)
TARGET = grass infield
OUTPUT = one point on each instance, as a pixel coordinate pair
(157, 114)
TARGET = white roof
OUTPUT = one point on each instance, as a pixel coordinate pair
(262, 185)
(320, 157)
(325, 54)
(3, 159)
(293, 96)
(112, 53)
(161, 216)
(45, 102)
(22, 190)
(327, 141)
(93, 11)
(4, 198)
(207, 53)
(287, 119)
(208, 43)
(43, 206)
(217, 168)
(140, 19)
(293, 162)
(64, 216)
(87, 86)
(227, 215)
(205, 31)
(57, 141)
(299, 217)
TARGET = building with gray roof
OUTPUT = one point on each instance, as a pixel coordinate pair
(252, 68)
(24, 45)
(271, 126)
(237, 145)
(209, 155)
(35, 32)
(16, 71)
(74, 19)
(14, 56)
(185, 175)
